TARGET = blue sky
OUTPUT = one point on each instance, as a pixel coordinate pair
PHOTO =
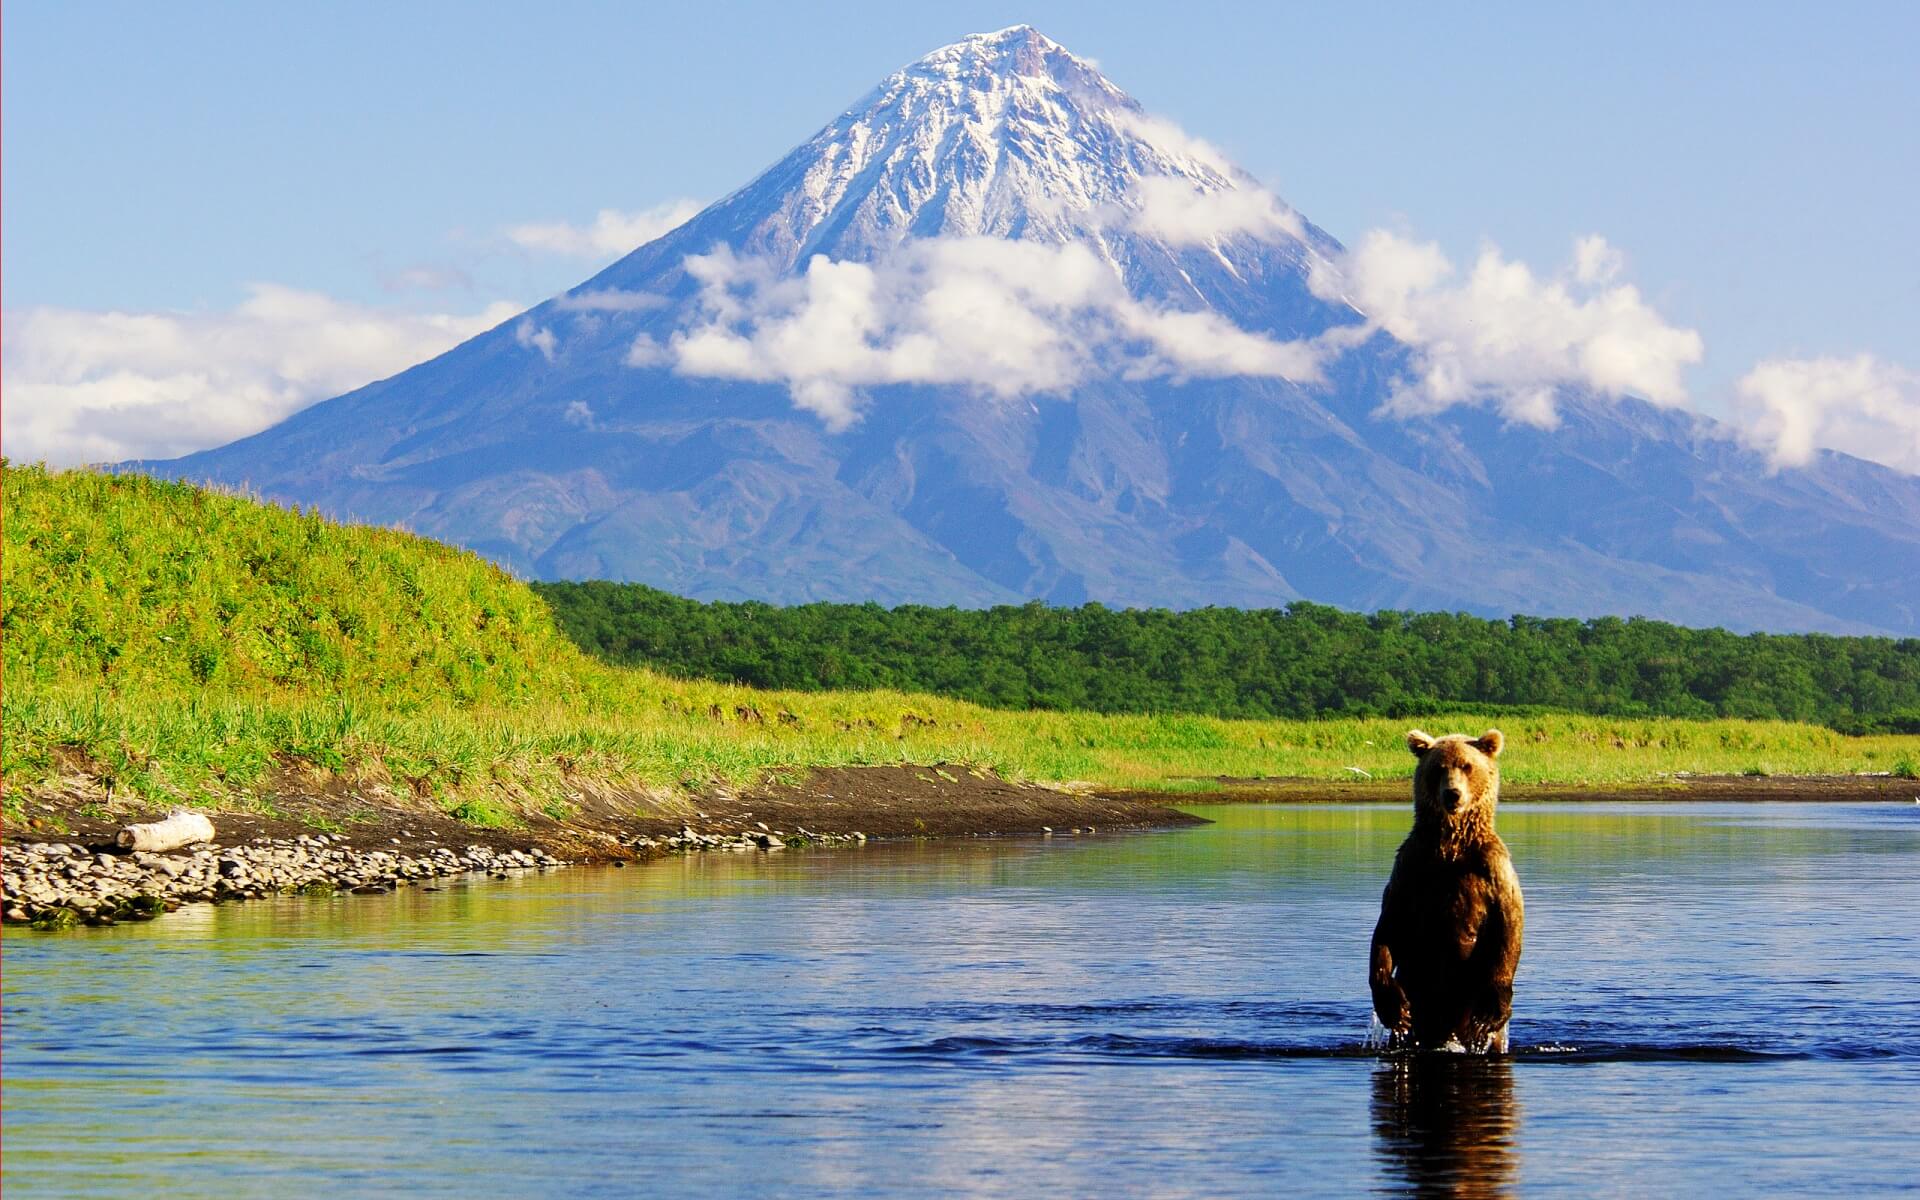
(1756, 164)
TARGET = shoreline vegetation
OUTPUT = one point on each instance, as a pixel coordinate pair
(1302, 661)
(167, 645)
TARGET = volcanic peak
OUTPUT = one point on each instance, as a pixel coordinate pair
(1017, 51)
(1002, 134)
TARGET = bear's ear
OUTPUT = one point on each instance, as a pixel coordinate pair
(1490, 742)
(1419, 742)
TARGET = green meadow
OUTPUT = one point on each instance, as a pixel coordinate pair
(168, 643)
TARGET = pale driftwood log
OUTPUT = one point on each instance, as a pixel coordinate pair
(179, 829)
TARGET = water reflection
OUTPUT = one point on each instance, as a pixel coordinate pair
(1444, 1125)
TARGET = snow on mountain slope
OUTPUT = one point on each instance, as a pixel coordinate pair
(1000, 135)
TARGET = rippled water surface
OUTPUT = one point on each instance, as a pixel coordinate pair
(1713, 999)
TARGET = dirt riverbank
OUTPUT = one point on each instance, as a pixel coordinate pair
(61, 868)
(879, 802)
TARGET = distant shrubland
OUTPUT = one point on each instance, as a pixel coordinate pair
(1306, 660)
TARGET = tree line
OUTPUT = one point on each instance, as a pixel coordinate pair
(1303, 660)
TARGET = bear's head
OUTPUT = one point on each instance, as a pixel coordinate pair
(1457, 783)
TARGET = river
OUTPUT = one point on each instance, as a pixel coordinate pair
(1714, 999)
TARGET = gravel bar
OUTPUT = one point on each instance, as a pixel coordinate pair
(57, 885)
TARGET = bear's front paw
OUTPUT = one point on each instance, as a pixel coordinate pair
(1390, 1005)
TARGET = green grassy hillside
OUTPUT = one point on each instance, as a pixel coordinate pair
(129, 582)
(170, 643)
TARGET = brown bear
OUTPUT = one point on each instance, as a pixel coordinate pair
(1448, 939)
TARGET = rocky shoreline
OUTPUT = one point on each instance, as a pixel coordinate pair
(60, 865)
(60, 885)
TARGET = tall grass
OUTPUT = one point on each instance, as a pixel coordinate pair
(171, 643)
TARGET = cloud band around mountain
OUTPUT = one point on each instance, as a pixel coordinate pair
(1791, 408)
(1015, 318)
(1010, 318)
(1506, 336)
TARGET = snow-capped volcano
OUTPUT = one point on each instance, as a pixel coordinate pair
(1008, 135)
(997, 135)
(996, 332)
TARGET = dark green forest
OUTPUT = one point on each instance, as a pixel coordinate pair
(1301, 661)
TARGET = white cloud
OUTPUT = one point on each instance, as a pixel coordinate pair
(104, 386)
(1595, 261)
(1010, 318)
(1504, 334)
(580, 413)
(535, 337)
(1866, 407)
(1181, 148)
(645, 352)
(612, 233)
(1174, 210)
(1208, 345)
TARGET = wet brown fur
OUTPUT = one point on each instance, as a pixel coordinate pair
(1451, 919)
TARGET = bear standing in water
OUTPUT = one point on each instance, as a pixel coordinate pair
(1448, 938)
